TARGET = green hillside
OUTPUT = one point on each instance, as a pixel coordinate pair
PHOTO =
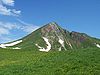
(52, 37)
(31, 62)
(51, 50)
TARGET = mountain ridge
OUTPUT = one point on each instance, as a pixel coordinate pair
(52, 37)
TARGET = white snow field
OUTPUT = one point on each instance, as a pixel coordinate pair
(62, 43)
(16, 48)
(48, 45)
(10, 44)
(98, 45)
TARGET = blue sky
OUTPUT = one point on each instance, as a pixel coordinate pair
(20, 17)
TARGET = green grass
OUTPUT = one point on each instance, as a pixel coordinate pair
(30, 62)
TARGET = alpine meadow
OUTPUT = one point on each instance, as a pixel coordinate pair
(68, 44)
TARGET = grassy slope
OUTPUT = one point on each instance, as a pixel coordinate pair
(72, 62)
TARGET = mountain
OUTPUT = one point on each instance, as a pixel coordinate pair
(52, 37)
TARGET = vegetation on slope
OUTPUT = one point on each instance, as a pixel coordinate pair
(31, 62)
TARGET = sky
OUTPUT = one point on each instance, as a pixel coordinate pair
(18, 18)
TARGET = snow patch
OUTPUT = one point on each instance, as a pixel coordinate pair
(48, 45)
(62, 43)
(16, 48)
(60, 49)
(11, 44)
(38, 46)
(70, 45)
(98, 45)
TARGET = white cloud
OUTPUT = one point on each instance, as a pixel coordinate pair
(8, 2)
(16, 12)
(8, 25)
(4, 10)
(3, 31)
(6, 29)
(29, 28)
(7, 11)
(5, 39)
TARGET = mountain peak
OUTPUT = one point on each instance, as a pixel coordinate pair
(50, 27)
(52, 24)
(53, 37)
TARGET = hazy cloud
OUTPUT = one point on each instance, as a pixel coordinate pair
(27, 27)
(5, 39)
(8, 2)
(7, 27)
(7, 11)
(4, 31)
